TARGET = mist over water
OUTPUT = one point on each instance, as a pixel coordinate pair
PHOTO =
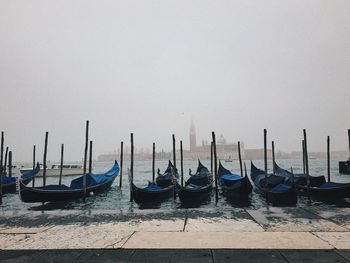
(235, 67)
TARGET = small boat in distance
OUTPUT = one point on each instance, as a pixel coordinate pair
(54, 170)
(228, 160)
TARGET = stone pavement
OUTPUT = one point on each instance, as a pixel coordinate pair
(270, 233)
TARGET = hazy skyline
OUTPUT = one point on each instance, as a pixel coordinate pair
(149, 67)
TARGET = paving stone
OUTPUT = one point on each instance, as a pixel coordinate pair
(75, 236)
(24, 230)
(19, 256)
(51, 256)
(340, 240)
(172, 255)
(222, 225)
(292, 219)
(251, 255)
(345, 253)
(9, 240)
(263, 240)
(312, 256)
(105, 256)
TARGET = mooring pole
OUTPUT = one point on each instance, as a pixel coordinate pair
(265, 160)
(121, 164)
(182, 164)
(240, 157)
(1, 154)
(215, 168)
(303, 150)
(90, 158)
(265, 152)
(61, 166)
(132, 166)
(273, 158)
(10, 163)
(1, 165)
(45, 154)
(328, 160)
(33, 183)
(349, 142)
(174, 151)
(307, 166)
(6, 153)
(153, 162)
(211, 159)
(85, 156)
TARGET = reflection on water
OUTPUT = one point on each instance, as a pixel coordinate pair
(118, 198)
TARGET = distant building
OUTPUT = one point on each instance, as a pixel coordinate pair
(224, 150)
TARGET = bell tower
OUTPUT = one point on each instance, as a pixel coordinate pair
(193, 143)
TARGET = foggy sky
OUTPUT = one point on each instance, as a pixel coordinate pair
(149, 67)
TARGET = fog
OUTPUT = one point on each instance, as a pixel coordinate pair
(150, 67)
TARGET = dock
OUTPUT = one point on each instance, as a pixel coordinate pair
(289, 234)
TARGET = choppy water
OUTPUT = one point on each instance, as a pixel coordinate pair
(118, 198)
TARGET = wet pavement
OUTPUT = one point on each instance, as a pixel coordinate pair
(272, 233)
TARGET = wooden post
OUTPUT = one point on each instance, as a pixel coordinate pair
(273, 158)
(5, 162)
(121, 164)
(307, 166)
(1, 155)
(211, 158)
(349, 142)
(240, 157)
(182, 164)
(61, 167)
(265, 152)
(328, 160)
(45, 154)
(1, 164)
(174, 151)
(215, 168)
(303, 150)
(132, 165)
(153, 162)
(245, 170)
(10, 164)
(33, 182)
(90, 158)
(265, 160)
(85, 156)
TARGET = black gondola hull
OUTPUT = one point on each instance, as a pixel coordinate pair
(190, 195)
(242, 191)
(11, 188)
(287, 198)
(33, 195)
(141, 195)
(324, 193)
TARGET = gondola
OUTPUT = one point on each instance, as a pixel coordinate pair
(233, 185)
(197, 188)
(319, 188)
(95, 183)
(9, 183)
(274, 186)
(299, 179)
(157, 191)
(344, 167)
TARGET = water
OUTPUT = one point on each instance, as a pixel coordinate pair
(117, 199)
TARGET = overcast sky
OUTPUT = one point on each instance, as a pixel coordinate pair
(149, 67)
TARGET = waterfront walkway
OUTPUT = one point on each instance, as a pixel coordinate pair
(270, 233)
